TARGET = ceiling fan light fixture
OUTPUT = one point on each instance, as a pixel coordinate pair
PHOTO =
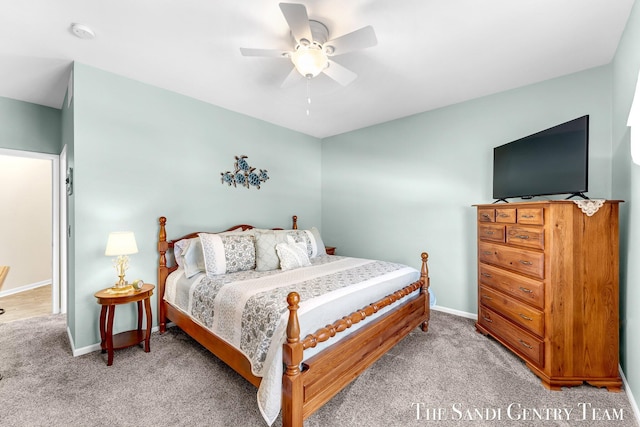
(312, 47)
(309, 60)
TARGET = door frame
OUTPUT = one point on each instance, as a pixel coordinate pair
(62, 230)
(58, 269)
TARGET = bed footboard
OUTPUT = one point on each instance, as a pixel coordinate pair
(324, 375)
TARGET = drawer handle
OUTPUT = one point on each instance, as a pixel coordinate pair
(490, 233)
(487, 253)
(525, 317)
(486, 297)
(487, 275)
(502, 215)
(486, 319)
(528, 216)
(522, 236)
(523, 262)
(523, 289)
(526, 345)
(485, 216)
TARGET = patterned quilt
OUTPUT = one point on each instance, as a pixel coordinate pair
(248, 309)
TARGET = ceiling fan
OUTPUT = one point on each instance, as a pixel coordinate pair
(313, 49)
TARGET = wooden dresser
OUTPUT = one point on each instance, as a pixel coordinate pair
(548, 288)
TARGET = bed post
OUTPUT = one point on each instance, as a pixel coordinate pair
(292, 392)
(424, 278)
(163, 272)
(295, 222)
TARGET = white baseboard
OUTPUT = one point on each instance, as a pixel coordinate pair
(71, 344)
(632, 400)
(455, 312)
(90, 348)
(24, 288)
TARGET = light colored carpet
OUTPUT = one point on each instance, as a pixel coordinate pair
(451, 372)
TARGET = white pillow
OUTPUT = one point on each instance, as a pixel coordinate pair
(292, 254)
(178, 250)
(317, 243)
(193, 258)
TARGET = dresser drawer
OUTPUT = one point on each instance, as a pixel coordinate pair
(523, 343)
(514, 310)
(531, 216)
(506, 215)
(486, 215)
(519, 260)
(530, 237)
(521, 287)
(491, 232)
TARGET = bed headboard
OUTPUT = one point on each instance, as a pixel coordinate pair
(165, 246)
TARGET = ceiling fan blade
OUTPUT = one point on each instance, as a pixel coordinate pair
(298, 20)
(293, 77)
(273, 53)
(359, 39)
(340, 74)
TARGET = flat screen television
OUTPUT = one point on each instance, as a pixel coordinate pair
(550, 162)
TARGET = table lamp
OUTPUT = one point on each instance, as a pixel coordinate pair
(120, 244)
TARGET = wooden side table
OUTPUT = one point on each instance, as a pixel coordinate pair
(108, 300)
(330, 250)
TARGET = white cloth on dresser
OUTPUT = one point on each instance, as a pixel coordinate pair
(589, 207)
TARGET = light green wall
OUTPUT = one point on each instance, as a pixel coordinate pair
(141, 152)
(626, 186)
(393, 190)
(29, 127)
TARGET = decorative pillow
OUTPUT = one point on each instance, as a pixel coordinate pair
(312, 240)
(266, 256)
(301, 236)
(193, 258)
(292, 254)
(228, 253)
(181, 246)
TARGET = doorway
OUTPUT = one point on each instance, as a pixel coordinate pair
(33, 192)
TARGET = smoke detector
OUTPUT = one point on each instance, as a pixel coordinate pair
(82, 31)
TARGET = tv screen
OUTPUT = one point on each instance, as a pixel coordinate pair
(553, 161)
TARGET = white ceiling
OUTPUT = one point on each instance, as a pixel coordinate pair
(430, 53)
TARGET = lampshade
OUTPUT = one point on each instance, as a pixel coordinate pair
(121, 243)
(309, 60)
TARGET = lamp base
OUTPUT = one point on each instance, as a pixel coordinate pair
(115, 289)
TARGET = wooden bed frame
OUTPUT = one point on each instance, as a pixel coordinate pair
(307, 385)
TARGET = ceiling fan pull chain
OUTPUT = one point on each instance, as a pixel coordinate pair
(308, 95)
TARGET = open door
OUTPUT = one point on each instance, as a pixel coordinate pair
(43, 238)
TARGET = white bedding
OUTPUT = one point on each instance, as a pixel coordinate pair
(235, 306)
